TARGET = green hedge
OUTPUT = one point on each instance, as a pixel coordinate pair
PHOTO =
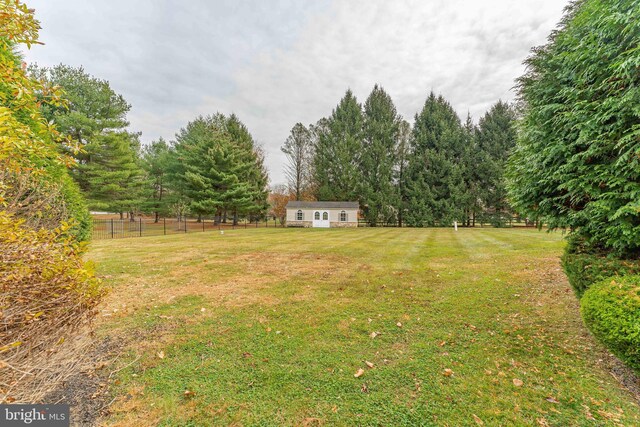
(77, 211)
(611, 311)
(583, 270)
(585, 265)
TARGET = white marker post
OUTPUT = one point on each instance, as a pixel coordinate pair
(455, 225)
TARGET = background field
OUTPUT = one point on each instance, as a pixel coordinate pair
(269, 326)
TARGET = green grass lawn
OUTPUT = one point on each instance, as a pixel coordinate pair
(268, 327)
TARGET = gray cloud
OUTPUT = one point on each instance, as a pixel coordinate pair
(281, 62)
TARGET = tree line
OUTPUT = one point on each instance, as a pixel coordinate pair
(213, 167)
(433, 172)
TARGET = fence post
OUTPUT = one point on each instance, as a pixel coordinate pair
(112, 228)
(140, 226)
(164, 226)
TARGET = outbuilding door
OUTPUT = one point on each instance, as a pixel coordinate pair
(321, 219)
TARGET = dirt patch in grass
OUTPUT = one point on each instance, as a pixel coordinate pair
(86, 391)
(233, 281)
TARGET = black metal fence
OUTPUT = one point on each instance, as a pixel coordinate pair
(484, 220)
(139, 227)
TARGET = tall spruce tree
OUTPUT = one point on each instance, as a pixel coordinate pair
(378, 193)
(496, 138)
(299, 152)
(471, 161)
(336, 163)
(435, 172)
(403, 147)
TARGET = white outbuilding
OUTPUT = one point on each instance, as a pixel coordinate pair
(322, 214)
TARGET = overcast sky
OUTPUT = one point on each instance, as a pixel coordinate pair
(275, 63)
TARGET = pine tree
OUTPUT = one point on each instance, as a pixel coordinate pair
(93, 107)
(472, 158)
(156, 160)
(403, 146)
(336, 162)
(435, 172)
(496, 138)
(113, 177)
(378, 157)
(253, 156)
(215, 170)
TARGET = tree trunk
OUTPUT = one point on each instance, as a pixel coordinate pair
(157, 218)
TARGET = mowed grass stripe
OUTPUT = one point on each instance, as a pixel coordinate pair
(289, 315)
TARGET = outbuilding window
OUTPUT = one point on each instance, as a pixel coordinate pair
(317, 216)
(325, 216)
(343, 216)
(299, 215)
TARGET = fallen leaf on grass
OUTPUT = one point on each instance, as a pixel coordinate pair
(552, 399)
(517, 382)
(189, 394)
(161, 354)
(364, 388)
(442, 343)
(374, 334)
(359, 373)
(477, 420)
(369, 364)
(447, 372)
(399, 325)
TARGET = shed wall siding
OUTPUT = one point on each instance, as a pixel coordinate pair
(334, 217)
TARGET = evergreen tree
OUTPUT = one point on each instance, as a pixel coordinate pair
(378, 157)
(113, 177)
(576, 162)
(93, 107)
(252, 154)
(403, 145)
(496, 138)
(471, 163)
(336, 162)
(298, 149)
(95, 119)
(156, 160)
(435, 173)
(214, 171)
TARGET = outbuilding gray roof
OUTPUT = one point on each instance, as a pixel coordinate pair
(293, 204)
